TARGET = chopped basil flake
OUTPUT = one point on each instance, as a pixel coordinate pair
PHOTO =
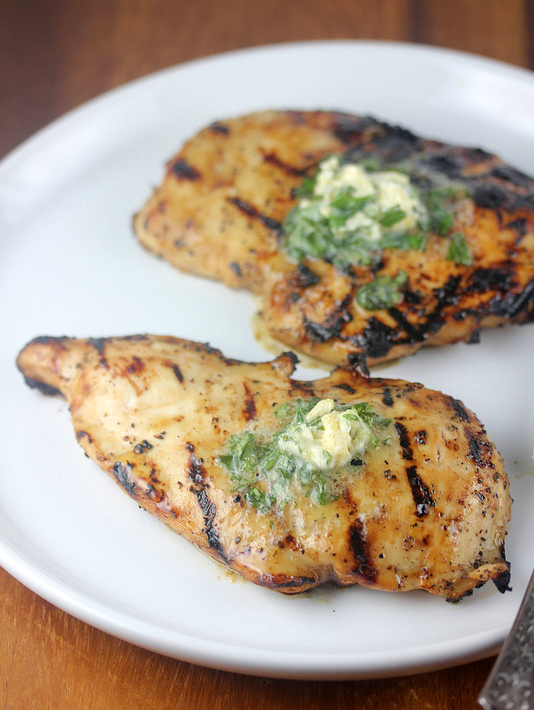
(319, 441)
(439, 203)
(442, 222)
(392, 216)
(369, 416)
(382, 292)
(458, 250)
(405, 242)
(259, 499)
(372, 165)
(306, 188)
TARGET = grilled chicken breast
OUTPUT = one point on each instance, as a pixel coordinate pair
(292, 484)
(224, 211)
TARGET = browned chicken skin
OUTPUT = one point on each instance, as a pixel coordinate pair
(426, 508)
(221, 208)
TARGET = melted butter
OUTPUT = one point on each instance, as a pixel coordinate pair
(386, 190)
(327, 439)
(309, 459)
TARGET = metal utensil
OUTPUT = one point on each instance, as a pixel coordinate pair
(510, 685)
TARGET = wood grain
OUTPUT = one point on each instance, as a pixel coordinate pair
(56, 55)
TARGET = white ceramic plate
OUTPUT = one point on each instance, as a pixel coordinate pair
(69, 265)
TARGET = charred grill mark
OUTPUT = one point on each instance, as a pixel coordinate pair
(420, 492)
(516, 304)
(197, 471)
(297, 117)
(48, 340)
(348, 129)
(135, 366)
(151, 492)
(218, 127)
(290, 356)
(197, 475)
(124, 477)
(420, 437)
(377, 338)
(206, 348)
(332, 326)
(446, 296)
(509, 174)
(135, 338)
(519, 226)
(209, 509)
(404, 440)
(321, 332)
(236, 268)
(183, 171)
(502, 582)
(386, 337)
(357, 362)
(411, 297)
(414, 334)
(306, 277)
(390, 144)
(302, 387)
(41, 386)
(447, 163)
(474, 338)
(273, 159)
(480, 449)
(99, 344)
(475, 156)
(345, 387)
(387, 398)
(254, 213)
(358, 545)
(397, 143)
(178, 373)
(448, 293)
(142, 447)
(490, 196)
(458, 408)
(249, 409)
(494, 279)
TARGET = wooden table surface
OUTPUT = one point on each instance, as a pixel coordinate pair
(57, 54)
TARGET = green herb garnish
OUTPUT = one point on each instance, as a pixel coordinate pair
(404, 241)
(265, 471)
(392, 216)
(382, 292)
(458, 250)
(346, 221)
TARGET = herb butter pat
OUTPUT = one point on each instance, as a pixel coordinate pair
(348, 213)
(388, 196)
(326, 439)
(316, 451)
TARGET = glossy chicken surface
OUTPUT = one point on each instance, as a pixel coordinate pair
(220, 209)
(425, 508)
